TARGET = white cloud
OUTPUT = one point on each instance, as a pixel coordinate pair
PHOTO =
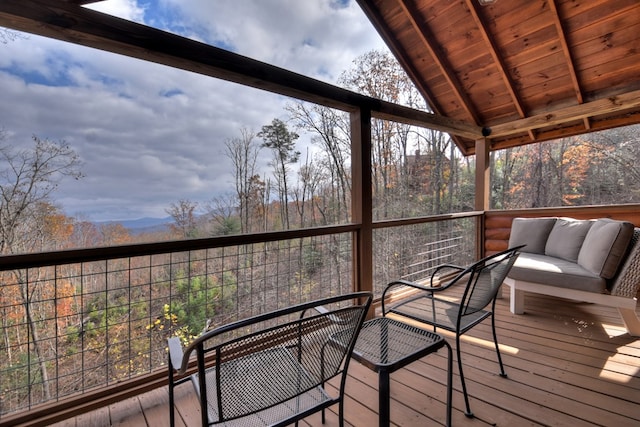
(125, 9)
(149, 135)
(316, 38)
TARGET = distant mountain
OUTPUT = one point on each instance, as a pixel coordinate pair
(145, 222)
(142, 224)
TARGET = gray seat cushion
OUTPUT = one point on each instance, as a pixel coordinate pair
(557, 272)
(532, 232)
(604, 246)
(566, 238)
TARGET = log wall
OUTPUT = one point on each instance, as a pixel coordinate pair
(497, 223)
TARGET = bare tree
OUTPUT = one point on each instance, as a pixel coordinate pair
(331, 131)
(378, 74)
(184, 220)
(27, 180)
(223, 214)
(7, 35)
(310, 178)
(243, 152)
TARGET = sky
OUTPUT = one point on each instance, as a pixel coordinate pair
(148, 135)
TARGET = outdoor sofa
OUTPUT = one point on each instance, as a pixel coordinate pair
(595, 261)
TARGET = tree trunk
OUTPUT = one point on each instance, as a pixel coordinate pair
(35, 337)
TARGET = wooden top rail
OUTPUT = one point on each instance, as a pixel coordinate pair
(43, 259)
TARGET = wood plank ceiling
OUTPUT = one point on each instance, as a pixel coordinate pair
(527, 70)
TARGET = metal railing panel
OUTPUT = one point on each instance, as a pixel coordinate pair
(74, 322)
(74, 327)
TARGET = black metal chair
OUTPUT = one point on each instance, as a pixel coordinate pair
(270, 369)
(483, 280)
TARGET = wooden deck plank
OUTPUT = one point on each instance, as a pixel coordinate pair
(526, 395)
(486, 386)
(187, 405)
(127, 413)
(156, 405)
(568, 364)
(542, 372)
(98, 417)
(65, 423)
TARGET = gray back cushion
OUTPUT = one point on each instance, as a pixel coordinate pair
(566, 238)
(604, 246)
(532, 232)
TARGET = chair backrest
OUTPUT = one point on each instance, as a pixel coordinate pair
(485, 278)
(273, 350)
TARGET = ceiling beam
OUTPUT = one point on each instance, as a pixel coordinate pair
(612, 104)
(79, 25)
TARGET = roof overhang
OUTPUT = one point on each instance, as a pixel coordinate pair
(529, 70)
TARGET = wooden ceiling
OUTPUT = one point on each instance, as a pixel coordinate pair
(525, 70)
(515, 71)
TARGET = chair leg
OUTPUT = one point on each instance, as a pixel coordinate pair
(172, 415)
(468, 412)
(449, 382)
(503, 374)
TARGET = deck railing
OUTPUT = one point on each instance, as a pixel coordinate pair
(74, 322)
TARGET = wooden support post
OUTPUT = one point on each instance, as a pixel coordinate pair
(483, 179)
(361, 199)
(483, 190)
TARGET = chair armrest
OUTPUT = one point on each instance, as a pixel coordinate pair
(176, 355)
(396, 283)
(448, 277)
(402, 282)
(324, 310)
(459, 272)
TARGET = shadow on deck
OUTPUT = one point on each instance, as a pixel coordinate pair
(569, 364)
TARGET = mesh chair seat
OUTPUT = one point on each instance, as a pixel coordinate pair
(285, 387)
(271, 369)
(421, 308)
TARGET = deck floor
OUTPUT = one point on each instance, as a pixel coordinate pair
(568, 364)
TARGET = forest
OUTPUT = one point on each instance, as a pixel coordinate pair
(110, 319)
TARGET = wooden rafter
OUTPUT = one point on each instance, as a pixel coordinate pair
(497, 58)
(499, 62)
(387, 35)
(440, 60)
(562, 38)
(402, 57)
